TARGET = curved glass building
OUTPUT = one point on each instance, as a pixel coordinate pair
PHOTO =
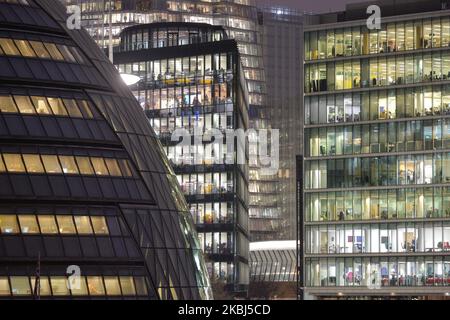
(89, 206)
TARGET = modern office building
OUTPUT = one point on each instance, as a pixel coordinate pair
(191, 79)
(282, 40)
(377, 160)
(104, 20)
(85, 186)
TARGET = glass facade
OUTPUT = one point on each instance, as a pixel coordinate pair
(84, 180)
(199, 93)
(376, 172)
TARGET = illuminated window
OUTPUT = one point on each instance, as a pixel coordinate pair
(28, 224)
(20, 286)
(78, 286)
(95, 285)
(83, 225)
(68, 164)
(57, 106)
(8, 224)
(66, 225)
(4, 286)
(48, 224)
(127, 285)
(72, 108)
(24, 104)
(125, 168)
(7, 104)
(33, 163)
(25, 48)
(54, 52)
(59, 286)
(66, 53)
(84, 165)
(40, 49)
(76, 54)
(113, 167)
(14, 163)
(141, 286)
(2, 166)
(8, 47)
(44, 286)
(85, 108)
(112, 286)
(99, 166)
(51, 164)
(41, 105)
(99, 224)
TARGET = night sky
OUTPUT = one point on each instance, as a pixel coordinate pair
(316, 6)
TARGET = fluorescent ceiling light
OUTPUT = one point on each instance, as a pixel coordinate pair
(130, 79)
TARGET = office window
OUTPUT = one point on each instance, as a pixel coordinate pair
(57, 106)
(83, 224)
(47, 224)
(40, 50)
(7, 104)
(25, 48)
(8, 47)
(59, 286)
(95, 285)
(99, 225)
(24, 104)
(66, 225)
(51, 164)
(72, 108)
(99, 166)
(113, 167)
(85, 107)
(41, 105)
(78, 286)
(127, 285)
(13, 163)
(33, 163)
(20, 286)
(112, 286)
(68, 164)
(125, 166)
(44, 285)
(8, 224)
(84, 165)
(54, 52)
(68, 56)
(28, 224)
(4, 286)
(141, 286)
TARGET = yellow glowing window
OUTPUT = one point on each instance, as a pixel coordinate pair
(8, 224)
(48, 224)
(127, 285)
(83, 224)
(66, 225)
(2, 166)
(68, 164)
(20, 286)
(99, 166)
(4, 286)
(24, 104)
(9, 47)
(113, 167)
(13, 163)
(51, 164)
(7, 104)
(66, 53)
(41, 105)
(99, 225)
(40, 50)
(125, 168)
(57, 106)
(112, 286)
(25, 48)
(54, 52)
(59, 286)
(85, 107)
(33, 163)
(78, 286)
(28, 224)
(72, 108)
(44, 285)
(84, 165)
(95, 285)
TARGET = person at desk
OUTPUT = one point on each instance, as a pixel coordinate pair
(341, 216)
